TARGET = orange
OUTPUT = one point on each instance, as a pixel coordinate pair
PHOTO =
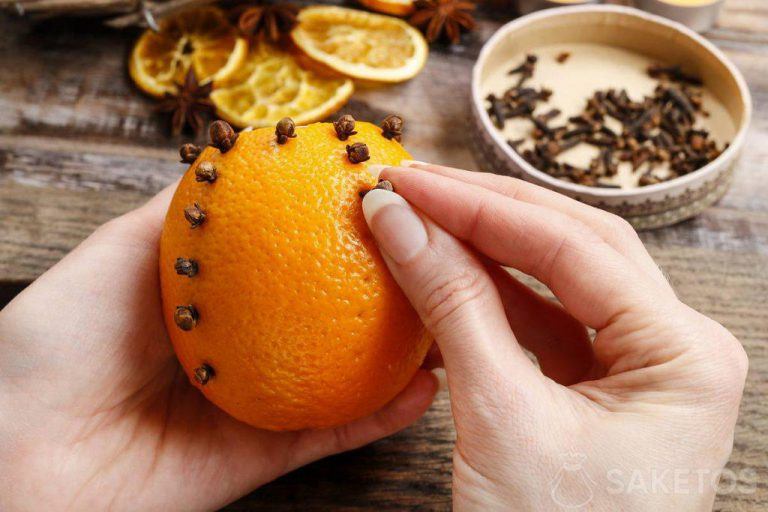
(360, 45)
(393, 7)
(298, 322)
(201, 39)
(271, 84)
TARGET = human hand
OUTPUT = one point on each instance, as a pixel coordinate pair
(657, 392)
(97, 413)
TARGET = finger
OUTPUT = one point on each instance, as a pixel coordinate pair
(560, 343)
(595, 283)
(452, 293)
(402, 411)
(612, 228)
(140, 226)
(155, 209)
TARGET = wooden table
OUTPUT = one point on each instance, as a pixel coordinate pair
(79, 145)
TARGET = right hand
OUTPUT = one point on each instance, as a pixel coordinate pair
(657, 392)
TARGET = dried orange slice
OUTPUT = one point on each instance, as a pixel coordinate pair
(393, 7)
(270, 85)
(361, 45)
(202, 39)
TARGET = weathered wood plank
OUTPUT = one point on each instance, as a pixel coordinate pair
(745, 20)
(79, 145)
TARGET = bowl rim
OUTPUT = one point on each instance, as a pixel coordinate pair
(505, 30)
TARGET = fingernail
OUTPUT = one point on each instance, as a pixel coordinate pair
(398, 230)
(412, 163)
(375, 169)
(442, 378)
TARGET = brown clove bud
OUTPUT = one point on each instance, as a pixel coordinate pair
(203, 374)
(392, 127)
(648, 179)
(189, 153)
(697, 142)
(223, 136)
(285, 129)
(345, 127)
(185, 317)
(526, 67)
(382, 185)
(186, 267)
(206, 171)
(194, 215)
(357, 152)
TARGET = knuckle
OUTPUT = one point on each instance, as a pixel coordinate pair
(734, 360)
(730, 360)
(513, 187)
(730, 385)
(568, 241)
(622, 226)
(450, 293)
(545, 266)
(478, 218)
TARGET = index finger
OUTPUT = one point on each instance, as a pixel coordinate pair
(617, 232)
(595, 283)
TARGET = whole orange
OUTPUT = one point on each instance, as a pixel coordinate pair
(278, 303)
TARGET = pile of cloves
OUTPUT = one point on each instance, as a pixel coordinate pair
(655, 131)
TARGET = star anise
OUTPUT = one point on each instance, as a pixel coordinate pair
(446, 18)
(189, 106)
(270, 20)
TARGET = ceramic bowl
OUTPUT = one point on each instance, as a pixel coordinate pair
(645, 207)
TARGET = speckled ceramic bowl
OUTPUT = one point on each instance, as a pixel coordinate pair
(645, 207)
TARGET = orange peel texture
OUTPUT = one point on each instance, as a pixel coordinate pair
(296, 321)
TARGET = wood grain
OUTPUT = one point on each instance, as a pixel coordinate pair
(79, 145)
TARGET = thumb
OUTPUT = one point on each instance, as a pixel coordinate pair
(453, 294)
